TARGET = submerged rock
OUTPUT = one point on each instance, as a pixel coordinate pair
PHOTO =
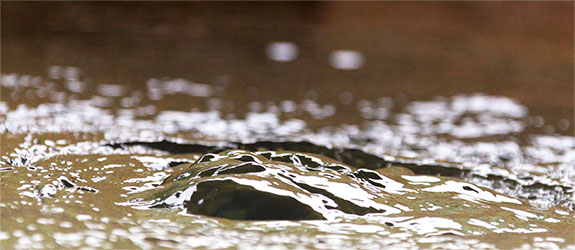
(284, 185)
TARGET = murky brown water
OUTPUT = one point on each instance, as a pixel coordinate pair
(450, 129)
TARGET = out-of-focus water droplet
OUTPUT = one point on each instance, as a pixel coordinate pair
(346, 98)
(282, 51)
(55, 72)
(113, 90)
(538, 121)
(288, 106)
(346, 59)
(564, 124)
(71, 73)
(76, 86)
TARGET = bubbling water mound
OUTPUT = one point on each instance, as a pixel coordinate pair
(285, 185)
(269, 185)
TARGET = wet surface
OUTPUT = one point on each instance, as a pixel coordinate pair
(109, 144)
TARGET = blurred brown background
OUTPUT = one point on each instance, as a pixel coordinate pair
(523, 50)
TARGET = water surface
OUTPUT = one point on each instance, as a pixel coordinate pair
(392, 134)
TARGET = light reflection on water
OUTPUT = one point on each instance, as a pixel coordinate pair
(51, 142)
(282, 51)
(346, 59)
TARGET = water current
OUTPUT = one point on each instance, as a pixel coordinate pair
(110, 166)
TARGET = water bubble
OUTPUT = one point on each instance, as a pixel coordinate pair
(55, 72)
(71, 73)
